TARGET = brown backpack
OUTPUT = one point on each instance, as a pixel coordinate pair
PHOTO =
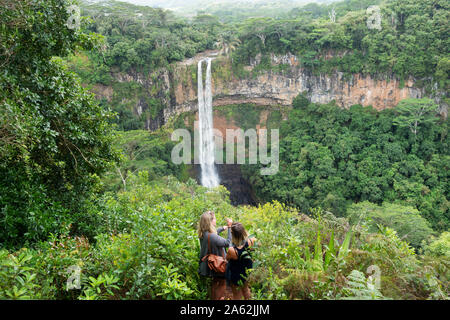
(216, 263)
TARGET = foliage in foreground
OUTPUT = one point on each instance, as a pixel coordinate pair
(55, 140)
(147, 248)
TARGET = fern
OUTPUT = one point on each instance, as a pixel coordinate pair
(360, 288)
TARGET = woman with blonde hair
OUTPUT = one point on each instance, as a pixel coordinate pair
(239, 261)
(207, 229)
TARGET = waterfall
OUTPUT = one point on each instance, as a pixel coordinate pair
(209, 176)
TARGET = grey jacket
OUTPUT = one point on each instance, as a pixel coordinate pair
(218, 245)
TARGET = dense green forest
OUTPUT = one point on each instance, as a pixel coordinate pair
(413, 42)
(230, 10)
(331, 158)
(83, 187)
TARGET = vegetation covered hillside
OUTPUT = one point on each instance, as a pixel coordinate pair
(226, 10)
(330, 158)
(411, 41)
(146, 247)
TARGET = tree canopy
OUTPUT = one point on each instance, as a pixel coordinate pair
(55, 139)
(330, 157)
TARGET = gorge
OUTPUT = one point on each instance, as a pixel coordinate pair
(95, 204)
(177, 88)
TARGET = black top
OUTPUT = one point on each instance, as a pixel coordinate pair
(238, 268)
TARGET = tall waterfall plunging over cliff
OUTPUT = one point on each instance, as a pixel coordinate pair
(209, 176)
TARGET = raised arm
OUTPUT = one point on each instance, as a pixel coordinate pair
(218, 241)
(228, 226)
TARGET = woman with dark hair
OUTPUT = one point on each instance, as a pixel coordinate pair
(239, 261)
(207, 229)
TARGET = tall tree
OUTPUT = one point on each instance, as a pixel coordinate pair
(227, 44)
(412, 113)
(56, 138)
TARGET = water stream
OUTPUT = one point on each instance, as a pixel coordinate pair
(209, 175)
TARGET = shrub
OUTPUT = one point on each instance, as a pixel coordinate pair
(300, 101)
(440, 247)
(147, 248)
(406, 220)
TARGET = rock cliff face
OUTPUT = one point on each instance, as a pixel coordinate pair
(271, 87)
(177, 88)
(157, 85)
